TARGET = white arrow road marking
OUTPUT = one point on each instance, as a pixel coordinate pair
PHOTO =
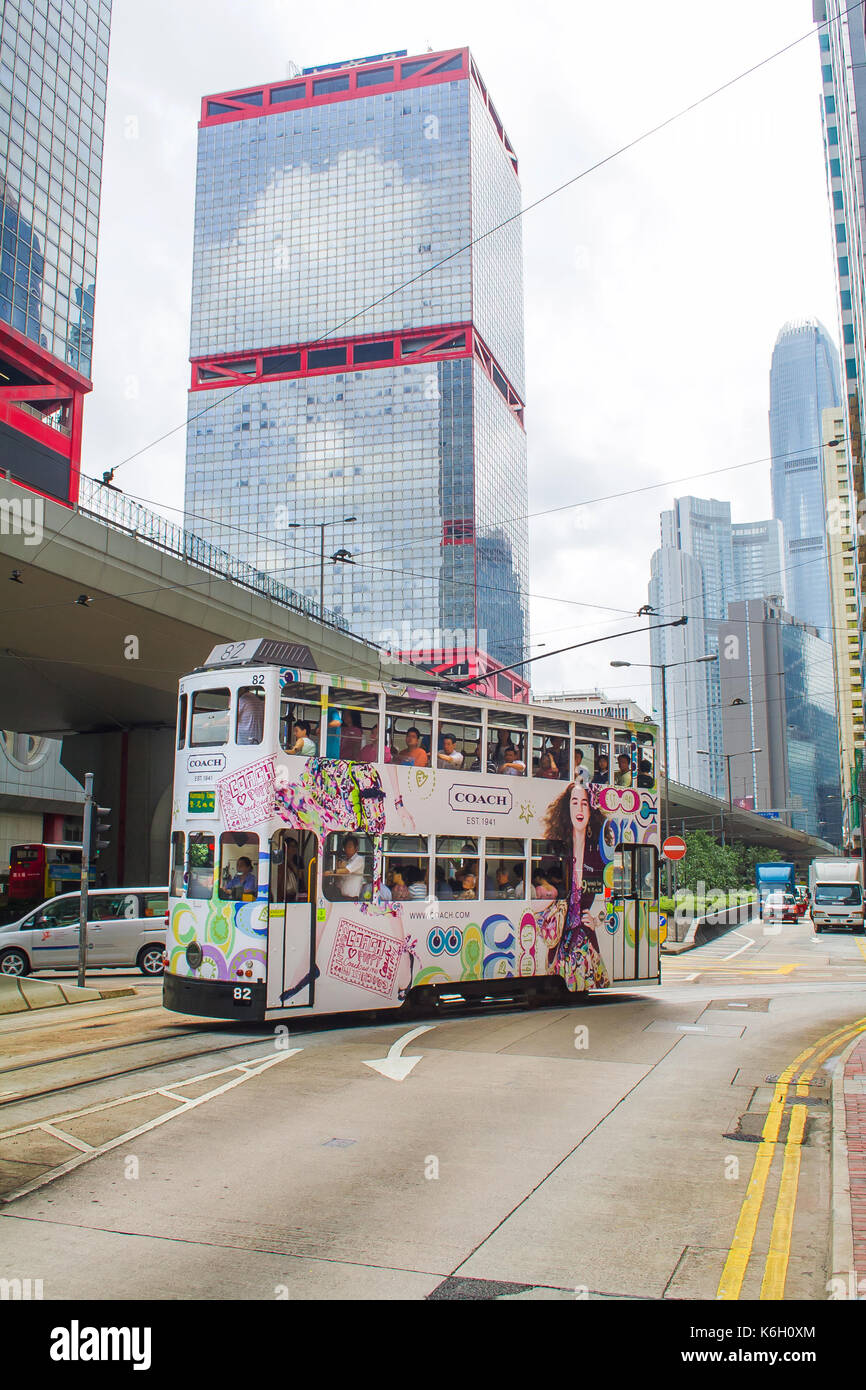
(748, 940)
(395, 1065)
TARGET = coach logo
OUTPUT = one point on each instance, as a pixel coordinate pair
(623, 799)
(467, 798)
(206, 762)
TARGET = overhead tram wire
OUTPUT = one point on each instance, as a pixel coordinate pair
(530, 207)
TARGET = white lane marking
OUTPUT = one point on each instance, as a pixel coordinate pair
(394, 1065)
(70, 1139)
(748, 940)
(52, 1173)
(689, 978)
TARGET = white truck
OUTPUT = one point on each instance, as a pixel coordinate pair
(836, 891)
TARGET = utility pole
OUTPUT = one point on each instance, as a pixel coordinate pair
(86, 836)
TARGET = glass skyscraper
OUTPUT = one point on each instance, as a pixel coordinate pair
(53, 72)
(351, 358)
(804, 381)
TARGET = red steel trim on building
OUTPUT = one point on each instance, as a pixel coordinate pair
(402, 354)
(30, 357)
(242, 109)
(52, 380)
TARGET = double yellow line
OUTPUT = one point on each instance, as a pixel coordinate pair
(776, 1266)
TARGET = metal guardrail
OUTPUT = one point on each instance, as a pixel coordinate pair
(121, 513)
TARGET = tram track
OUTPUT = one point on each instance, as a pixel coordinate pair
(33, 1096)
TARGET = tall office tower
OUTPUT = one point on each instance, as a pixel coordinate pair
(778, 699)
(353, 364)
(804, 381)
(53, 71)
(758, 549)
(841, 530)
(729, 562)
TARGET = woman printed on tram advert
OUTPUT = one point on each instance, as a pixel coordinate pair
(575, 956)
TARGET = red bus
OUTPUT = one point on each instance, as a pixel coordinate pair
(37, 872)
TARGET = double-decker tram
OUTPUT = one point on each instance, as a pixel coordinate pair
(342, 844)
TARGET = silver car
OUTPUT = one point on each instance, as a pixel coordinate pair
(125, 927)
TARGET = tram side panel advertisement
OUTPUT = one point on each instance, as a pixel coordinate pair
(370, 946)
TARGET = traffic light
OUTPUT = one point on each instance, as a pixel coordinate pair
(99, 828)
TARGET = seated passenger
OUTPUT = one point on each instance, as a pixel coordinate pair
(417, 882)
(581, 774)
(644, 774)
(370, 751)
(444, 890)
(303, 744)
(512, 765)
(399, 888)
(622, 778)
(469, 884)
(542, 887)
(244, 881)
(450, 756)
(413, 753)
(503, 888)
(516, 890)
(602, 773)
(547, 766)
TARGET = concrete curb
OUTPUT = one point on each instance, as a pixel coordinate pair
(841, 1223)
(22, 994)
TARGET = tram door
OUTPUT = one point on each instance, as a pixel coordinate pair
(291, 919)
(635, 895)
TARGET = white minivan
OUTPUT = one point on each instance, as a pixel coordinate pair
(125, 927)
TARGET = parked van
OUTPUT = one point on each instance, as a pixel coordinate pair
(125, 927)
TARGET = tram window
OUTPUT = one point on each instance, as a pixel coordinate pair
(210, 718)
(407, 866)
(646, 761)
(181, 720)
(348, 871)
(459, 738)
(239, 867)
(550, 757)
(506, 743)
(201, 853)
(624, 752)
(408, 731)
(250, 725)
(293, 852)
(551, 869)
(591, 754)
(456, 867)
(504, 868)
(300, 717)
(177, 864)
(353, 726)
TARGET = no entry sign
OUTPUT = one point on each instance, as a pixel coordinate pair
(674, 847)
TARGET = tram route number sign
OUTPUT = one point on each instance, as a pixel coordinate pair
(674, 847)
(201, 803)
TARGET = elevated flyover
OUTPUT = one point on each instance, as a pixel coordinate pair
(695, 810)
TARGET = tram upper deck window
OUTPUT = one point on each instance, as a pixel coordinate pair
(300, 717)
(550, 755)
(591, 754)
(353, 725)
(250, 722)
(210, 718)
(347, 875)
(459, 737)
(239, 867)
(181, 720)
(408, 730)
(646, 761)
(506, 743)
(201, 862)
(625, 753)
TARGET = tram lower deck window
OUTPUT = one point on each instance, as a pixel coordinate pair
(239, 866)
(347, 874)
(456, 867)
(201, 865)
(177, 864)
(407, 866)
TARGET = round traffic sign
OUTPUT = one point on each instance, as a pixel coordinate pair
(674, 847)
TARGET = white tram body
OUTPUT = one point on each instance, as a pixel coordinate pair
(343, 845)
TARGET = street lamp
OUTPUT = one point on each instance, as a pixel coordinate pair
(664, 668)
(345, 557)
(742, 753)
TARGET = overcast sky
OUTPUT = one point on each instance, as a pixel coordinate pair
(655, 287)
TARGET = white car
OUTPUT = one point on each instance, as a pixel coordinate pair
(125, 927)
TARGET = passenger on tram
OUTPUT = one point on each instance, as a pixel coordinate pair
(351, 736)
(602, 770)
(512, 766)
(413, 753)
(622, 778)
(450, 755)
(303, 744)
(251, 716)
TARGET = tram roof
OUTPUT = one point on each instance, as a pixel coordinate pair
(271, 652)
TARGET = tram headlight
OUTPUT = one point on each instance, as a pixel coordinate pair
(194, 955)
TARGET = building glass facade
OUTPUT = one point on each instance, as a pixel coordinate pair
(53, 73)
(352, 359)
(804, 382)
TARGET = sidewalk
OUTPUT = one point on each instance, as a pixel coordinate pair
(849, 1174)
(20, 993)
